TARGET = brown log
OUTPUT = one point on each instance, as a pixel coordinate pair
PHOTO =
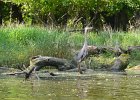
(94, 50)
(38, 62)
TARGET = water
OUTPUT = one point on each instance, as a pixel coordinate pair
(100, 86)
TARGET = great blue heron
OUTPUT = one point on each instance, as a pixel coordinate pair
(84, 51)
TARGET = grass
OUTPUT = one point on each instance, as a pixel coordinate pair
(18, 44)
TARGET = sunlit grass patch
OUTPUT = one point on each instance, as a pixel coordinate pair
(18, 44)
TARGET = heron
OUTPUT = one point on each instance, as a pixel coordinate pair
(84, 50)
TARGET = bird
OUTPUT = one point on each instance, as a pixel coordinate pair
(79, 57)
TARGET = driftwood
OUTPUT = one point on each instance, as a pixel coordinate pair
(38, 62)
(59, 63)
(94, 50)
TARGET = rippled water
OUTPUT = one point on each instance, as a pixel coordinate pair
(100, 86)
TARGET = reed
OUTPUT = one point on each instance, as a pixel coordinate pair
(18, 44)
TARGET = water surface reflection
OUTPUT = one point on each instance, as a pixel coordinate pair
(102, 86)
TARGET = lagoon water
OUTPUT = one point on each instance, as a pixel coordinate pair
(97, 86)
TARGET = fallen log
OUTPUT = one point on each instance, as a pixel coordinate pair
(38, 62)
(94, 50)
(58, 63)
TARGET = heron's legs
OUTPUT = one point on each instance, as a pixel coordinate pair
(36, 74)
(79, 69)
(89, 63)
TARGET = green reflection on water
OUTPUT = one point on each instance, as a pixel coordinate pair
(99, 87)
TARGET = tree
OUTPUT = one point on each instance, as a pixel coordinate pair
(95, 13)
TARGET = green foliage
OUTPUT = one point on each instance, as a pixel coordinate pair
(134, 58)
(19, 43)
(56, 11)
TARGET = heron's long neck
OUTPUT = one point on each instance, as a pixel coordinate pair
(85, 35)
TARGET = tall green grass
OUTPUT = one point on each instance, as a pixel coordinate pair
(18, 44)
